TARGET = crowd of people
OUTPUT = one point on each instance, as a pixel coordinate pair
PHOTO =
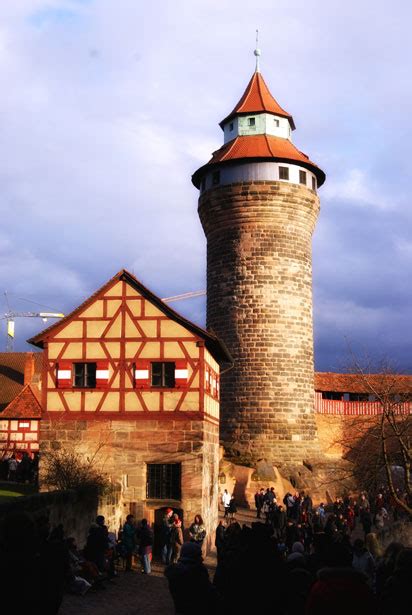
(20, 468)
(299, 559)
(316, 559)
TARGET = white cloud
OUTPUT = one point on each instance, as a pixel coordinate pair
(359, 188)
(108, 108)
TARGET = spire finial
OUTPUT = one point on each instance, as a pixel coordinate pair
(257, 52)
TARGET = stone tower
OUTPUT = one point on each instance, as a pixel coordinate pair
(258, 206)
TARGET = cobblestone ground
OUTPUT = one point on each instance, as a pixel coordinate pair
(131, 593)
(134, 593)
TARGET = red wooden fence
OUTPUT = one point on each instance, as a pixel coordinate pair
(346, 408)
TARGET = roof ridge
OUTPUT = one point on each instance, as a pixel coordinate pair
(123, 274)
(260, 80)
(231, 146)
(269, 144)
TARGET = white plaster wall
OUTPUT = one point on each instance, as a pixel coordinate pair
(259, 171)
(265, 123)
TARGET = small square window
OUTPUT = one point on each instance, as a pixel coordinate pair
(283, 173)
(313, 183)
(216, 178)
(163, 375)
(85, 375)
(163, 481)
(231, 126)
(302, 177)
(251, 121)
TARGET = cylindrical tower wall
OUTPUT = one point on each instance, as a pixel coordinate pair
(259, 301)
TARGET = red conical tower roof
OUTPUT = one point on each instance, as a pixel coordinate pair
(257, 99)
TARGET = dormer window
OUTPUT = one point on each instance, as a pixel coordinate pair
(231, 126)
(251, 121)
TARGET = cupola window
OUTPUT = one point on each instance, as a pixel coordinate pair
(231, 126)
(276, 123)
(302, 177)
(313, 183)
(251, 122)
(216, 178)
(283, 173)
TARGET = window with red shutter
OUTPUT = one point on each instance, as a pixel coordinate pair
(102, 374)
(142, 374)
(181, 373)
(64, 374)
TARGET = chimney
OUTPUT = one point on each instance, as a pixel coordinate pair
(29, 368)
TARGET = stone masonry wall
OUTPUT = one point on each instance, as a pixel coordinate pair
(125, 447)
(259, 301)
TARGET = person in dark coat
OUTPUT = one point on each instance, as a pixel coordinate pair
(232, 507)
(259, 497)
(366, 520)
(33, 569)
(97, 544)
(220, 538)
(339, 589)
(396, 593)
(189, 583)
(167, 525)
(145, 537)
(386, 565)
(176, 538)
(279, 523)
(129, 540)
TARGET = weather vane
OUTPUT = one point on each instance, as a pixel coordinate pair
(257, 52)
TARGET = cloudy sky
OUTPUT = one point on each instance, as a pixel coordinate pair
(108, 106)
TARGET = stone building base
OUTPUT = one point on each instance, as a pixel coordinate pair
(324, 480)
(123, 448)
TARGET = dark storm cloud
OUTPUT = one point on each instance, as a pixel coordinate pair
(107, 109)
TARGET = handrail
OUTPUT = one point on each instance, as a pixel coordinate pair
(345, 408)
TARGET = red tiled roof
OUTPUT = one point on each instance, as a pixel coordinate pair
(12, 366)
(356, 383)
(25, 406)
(257, 98)
(260, 146)
(215, 346)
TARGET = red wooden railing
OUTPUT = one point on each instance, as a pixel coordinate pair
(334, 406)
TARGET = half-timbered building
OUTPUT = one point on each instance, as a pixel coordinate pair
(126, 374)
(20, 407)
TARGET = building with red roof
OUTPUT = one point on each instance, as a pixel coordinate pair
(20, 402)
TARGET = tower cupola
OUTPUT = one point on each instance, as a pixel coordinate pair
(257, 113)
(258, 130)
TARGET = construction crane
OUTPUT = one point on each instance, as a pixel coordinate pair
(10, 315)
(189, 295)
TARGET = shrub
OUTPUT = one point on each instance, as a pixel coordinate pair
(63, 469)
